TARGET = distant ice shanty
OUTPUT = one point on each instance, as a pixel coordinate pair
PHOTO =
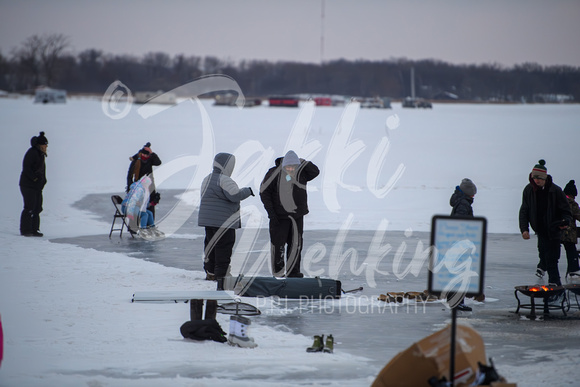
(48, 95)
(158, 97)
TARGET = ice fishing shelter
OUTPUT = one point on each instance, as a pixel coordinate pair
(48, 95)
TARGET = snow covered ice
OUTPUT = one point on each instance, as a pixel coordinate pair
(66, 309)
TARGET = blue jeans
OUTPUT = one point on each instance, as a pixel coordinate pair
(147, 219)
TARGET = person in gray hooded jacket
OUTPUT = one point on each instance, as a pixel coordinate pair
(219, 213)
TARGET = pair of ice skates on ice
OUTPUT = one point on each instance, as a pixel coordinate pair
(151, 233)
(320, 345)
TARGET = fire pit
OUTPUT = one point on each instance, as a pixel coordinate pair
(547, 293)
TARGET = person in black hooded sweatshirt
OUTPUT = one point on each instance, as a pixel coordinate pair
(32, 182)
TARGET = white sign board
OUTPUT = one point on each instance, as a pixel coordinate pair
(457, 258)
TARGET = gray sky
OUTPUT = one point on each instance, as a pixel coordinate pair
(506, 32)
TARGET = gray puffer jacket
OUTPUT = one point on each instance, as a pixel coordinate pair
(220, 195)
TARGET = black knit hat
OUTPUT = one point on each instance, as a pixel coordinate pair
(39, 140)
(570, 189)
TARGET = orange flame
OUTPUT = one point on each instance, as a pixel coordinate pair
(540, 288)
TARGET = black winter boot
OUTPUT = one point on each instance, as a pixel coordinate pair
(210, 309)
(220, 283)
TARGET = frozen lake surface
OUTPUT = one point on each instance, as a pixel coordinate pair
(65, 299)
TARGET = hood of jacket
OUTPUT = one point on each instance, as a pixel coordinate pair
(224, 163)
(458, 196)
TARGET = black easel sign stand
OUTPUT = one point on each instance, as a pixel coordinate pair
(456, 264)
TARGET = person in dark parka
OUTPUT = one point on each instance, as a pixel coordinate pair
(283, 193)
(32, 182)
(219, 213)
(545, 208)
(461, 201)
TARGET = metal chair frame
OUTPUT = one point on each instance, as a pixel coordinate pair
(116, 199)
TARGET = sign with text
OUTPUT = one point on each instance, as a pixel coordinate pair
(457, 259)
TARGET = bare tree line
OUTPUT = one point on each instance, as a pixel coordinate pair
(47, 60)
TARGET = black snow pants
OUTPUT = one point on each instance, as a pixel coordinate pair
(219, 244)
(289, 232)
(30, 216)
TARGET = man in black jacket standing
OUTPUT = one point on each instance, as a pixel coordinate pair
(32, 182)
(545, 208)
(283, 192)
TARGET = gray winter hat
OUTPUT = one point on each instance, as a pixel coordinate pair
(291, 158)
(467, 187)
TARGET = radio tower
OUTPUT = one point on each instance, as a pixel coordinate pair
(322, 33)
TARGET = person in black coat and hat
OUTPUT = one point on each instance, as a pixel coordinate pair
(283, 193)
(461, 201)
(545, 208)
(32, 182)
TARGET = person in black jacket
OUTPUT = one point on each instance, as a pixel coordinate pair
(545, 208)
(32, 182)
(461, 201)
(283, 193)
(142, 164)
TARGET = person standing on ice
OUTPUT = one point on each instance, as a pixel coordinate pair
(461, 201)
(283, 193)
(570, 235)
(142, 164)
(32, 182)
(219, 213)
(545, 208)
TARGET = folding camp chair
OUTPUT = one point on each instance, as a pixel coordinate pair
(117, 200)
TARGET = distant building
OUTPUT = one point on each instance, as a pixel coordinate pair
(48, 95)
(158, 97)
(416, 103)
(283, 101)
(230, 99)
(376, 103)
(323, 101)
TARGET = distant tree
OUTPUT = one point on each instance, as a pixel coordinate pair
(186, 69)
(5, 73)
(38, 58)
